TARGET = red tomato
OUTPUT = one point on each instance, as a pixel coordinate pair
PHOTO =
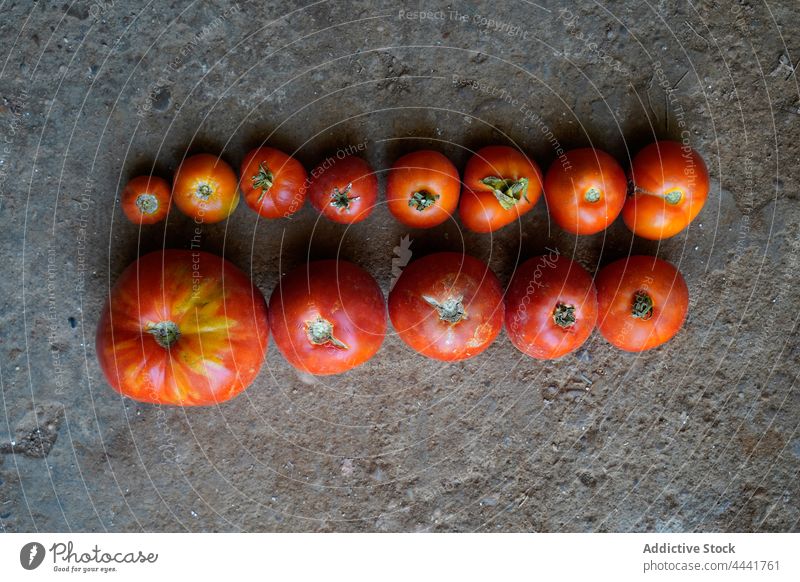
(551, 306)
(344, 190)
(500, 185)
(146, 200)
(273, 184)
(447, 306)
(328, 317)
(205, 188)
(643, 302)
(670, 188)
(422, 189)
(182, 327)
(585, 191)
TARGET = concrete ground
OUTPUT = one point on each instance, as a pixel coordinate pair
(698, 435)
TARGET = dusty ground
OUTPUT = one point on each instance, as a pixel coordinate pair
(701, 434)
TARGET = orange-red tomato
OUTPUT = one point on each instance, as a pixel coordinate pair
(146, 200)
(344, 190)
(551, 306)
(670, 187)
(328, 317)
(422, 189)
(500, 185)
(273, 183)
(585, 191)
(182, 327)
(447, 306)
(643, 302)
(205, 188)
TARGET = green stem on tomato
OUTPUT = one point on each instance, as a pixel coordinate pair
(450, 310)
(422, 200)
(508, 191)
(147, 203)
(341, 198)
(642, 307)
(564, 315)
(320, 332)
(166, 333)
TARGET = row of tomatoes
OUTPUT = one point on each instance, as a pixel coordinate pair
(585, 189)
(189, 328)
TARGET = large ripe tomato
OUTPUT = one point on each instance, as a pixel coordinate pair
(146, 200)
(182, 327)
(643, 302)
(500, 185)
(585, 191)
(551, 306)
(422, 189)
(273, 183)
(670, 187)
(205, 188)
(344, 190)
(328, 317)
(447, 306)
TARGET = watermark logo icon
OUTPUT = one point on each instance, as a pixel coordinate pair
(31, 555)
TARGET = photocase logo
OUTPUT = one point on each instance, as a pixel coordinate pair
(31, 555)
(402, 254)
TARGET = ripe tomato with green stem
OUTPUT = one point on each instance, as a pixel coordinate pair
(585, 191)
(327, 317)
(273, 183)
(551, 306)
(205, 188)
(422, 189)
(643, 302)
(345, 190)
(447, 306)
(500, 185)
(183, 328)
(670, 186)
(146, 199)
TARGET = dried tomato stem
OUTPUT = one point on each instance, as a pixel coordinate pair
(166, 333)
(564, 315)
(508, 191)
(672, 197)
(320, 332)
(450, 310)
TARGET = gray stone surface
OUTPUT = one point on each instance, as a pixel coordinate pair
(701, 434)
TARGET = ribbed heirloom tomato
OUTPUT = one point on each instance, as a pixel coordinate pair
(670, 187)
(184, 328)
(500, 185)
(447, 306)
(328, 317)
(205, 188)
(273, 183)
(551, 306)
(344, 190)
(643, 302)
(422, 189)
(585, 191)
(146, 200)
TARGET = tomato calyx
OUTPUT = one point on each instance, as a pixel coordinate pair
(450, 310)
(204, 191)
(320, 332)
(642, 307)
(422, 200)
(564, 315)
(508, 191)
(673, 197)
(166, 333)
(340, 198)
(592, 195)
(263, 179)
(147, 203)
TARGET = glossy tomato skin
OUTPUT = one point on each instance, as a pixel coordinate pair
(633, 322)
(447, 306)
(670, 187)
(422, 189)
(212, 351)
(205, 188)
(328, 317)
(480, 208)
(273, 183)
(551, 307)
(344, 190)
(146, 200)
(585, 191)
